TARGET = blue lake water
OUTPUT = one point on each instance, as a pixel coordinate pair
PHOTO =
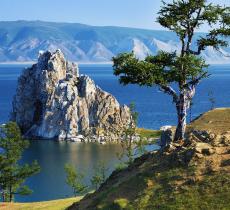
(155, 110)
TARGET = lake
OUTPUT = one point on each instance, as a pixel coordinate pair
(155, 110)
(53, 155)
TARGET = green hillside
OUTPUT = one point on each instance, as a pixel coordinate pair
(191, 175)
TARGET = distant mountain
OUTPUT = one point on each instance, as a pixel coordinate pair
(22, 40)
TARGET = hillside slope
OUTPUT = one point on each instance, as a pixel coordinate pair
(191, 175)
(21, 41)
(60, 204)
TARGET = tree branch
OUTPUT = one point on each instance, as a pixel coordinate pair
(191, 29)
(198, 52)
(170, 91)
(224, 54)
(196, 81)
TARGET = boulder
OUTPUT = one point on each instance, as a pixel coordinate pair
(225, 139)
(53, 101)
(210, 137)
(204, 148)
(167, 135)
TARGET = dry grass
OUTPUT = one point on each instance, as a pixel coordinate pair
(46, 205)
(217, 121)
(148, 133)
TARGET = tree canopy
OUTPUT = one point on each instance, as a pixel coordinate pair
(13, 174)
(185, 67)
(74, 179)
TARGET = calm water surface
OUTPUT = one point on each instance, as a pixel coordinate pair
(53, 155)
(155, 110)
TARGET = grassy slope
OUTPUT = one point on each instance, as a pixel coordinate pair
(143, 188)
(46, 205)
(217, 121)
(154, 182)
(147, 133)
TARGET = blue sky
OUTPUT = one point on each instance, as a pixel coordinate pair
(130, 13)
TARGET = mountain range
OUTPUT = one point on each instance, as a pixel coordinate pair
(22, 40)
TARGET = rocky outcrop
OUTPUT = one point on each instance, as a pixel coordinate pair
(54, 102)
(167, 135)
(210, 137)
(203, 150)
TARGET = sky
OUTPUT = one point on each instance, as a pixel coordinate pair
(128, 13)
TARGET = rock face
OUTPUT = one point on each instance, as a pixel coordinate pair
(54, 102)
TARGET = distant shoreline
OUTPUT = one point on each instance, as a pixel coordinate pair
(16, 63)
(81, 63)
(33, 62)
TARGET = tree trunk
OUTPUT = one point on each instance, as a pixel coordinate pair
(3, 196)
(11, 194)
(181, 107)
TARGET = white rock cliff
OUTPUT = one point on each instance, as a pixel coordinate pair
(53, 101)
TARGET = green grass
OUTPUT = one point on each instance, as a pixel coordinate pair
(212, 193)
(46, 205)
(216, 121)
(146, 133)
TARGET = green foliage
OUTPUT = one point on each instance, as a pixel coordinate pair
(12, 174)
(128, 137)
(120, 204)
(184, 17)
(146, 133)
(75, 180)
(185, 68)
(99, 176)
(25, 190)
(96, 181)
(121, 165)
(161, 69)
(140, 147)
(132, 147)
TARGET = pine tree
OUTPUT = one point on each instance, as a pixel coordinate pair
(99, 175)
(127, 143)
(74, 179)
(184, 68)
(13, 174)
